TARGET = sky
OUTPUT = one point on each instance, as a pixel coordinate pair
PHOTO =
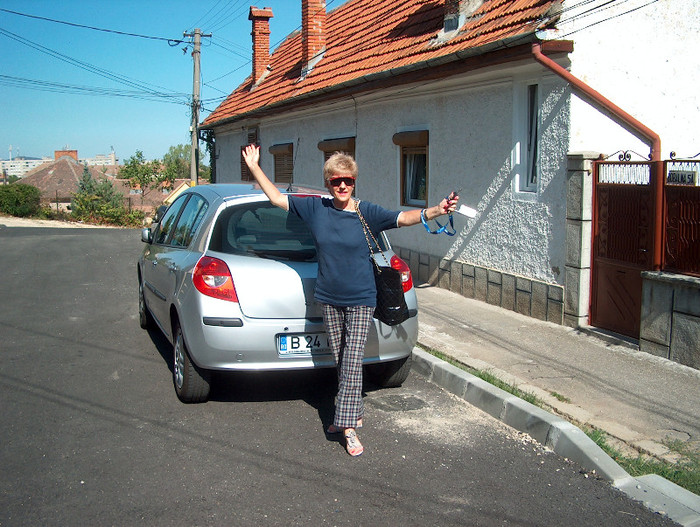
(124, 81)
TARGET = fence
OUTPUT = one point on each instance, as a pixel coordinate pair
(682, 217)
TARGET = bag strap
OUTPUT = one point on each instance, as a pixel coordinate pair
(366, 229)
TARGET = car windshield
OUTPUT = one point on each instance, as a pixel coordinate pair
(262, 230)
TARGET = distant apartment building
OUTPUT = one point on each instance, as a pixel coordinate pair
(21, 165)
(101, 160)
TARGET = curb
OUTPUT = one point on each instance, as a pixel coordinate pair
(565, 439)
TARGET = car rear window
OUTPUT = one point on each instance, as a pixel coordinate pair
(262, 230)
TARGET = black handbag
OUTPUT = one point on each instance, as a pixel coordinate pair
(391, 304)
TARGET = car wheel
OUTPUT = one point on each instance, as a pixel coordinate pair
(145, 318)
(390, 374)
(192, 384)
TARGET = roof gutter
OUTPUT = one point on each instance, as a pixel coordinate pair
(632, 125)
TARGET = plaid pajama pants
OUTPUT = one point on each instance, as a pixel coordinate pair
(347, 329)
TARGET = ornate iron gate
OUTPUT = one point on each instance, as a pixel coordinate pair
(623, 238)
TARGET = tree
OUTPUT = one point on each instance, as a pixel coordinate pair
(177, 163)
(99, 201)
(145, 175)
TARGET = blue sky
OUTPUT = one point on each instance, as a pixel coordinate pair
(62, 60)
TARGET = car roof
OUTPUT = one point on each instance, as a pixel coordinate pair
(235, 190)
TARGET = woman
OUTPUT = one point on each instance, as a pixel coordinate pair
(345, 281)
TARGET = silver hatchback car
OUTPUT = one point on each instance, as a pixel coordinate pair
(229, 280)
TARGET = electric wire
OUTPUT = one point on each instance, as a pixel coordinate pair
(57, 87)
(121, 79)
(173, 42)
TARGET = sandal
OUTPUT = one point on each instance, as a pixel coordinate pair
(352, 444)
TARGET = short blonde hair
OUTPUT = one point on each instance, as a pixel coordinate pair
(339, 162)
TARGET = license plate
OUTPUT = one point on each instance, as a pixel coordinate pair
(302, 344)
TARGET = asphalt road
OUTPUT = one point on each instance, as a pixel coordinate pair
(91, 432)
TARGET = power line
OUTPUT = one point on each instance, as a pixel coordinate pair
(82, 65)
(172, 42)
(56, 87)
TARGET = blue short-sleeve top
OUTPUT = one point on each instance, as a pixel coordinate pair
(345, 275)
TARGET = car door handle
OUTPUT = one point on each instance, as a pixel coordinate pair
(154, 262)
(172, 268)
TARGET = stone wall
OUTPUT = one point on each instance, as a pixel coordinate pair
(670, 318)
(528, 297)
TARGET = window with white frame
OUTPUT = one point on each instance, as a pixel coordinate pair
(526, 148)
(414, 167)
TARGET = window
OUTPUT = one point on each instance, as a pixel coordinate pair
(261, 230)
(167, 223)
(252, 138)
(526, 153)
(414, 167)
(191, 217)
(283, 155)
(329, 147)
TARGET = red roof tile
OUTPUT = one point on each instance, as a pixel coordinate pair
(368, 37)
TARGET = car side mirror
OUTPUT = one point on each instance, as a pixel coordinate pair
(146, 235)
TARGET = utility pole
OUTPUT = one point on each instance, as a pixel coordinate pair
(194, 152)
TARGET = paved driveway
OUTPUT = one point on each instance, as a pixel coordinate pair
(91, 431)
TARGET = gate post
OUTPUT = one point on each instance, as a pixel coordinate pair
(659, 187)
(579, 216)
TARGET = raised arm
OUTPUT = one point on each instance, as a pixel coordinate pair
(251, 156)
(412, 217)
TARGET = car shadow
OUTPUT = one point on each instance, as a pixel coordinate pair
(317, 388)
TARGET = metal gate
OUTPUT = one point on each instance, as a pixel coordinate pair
(623, 239)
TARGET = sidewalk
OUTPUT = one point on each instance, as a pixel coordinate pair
(640, 400)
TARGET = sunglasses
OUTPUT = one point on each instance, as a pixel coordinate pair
(336, 181)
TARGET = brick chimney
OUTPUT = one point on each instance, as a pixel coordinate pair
(313, 37)
(58, 154)
(261, 40)
(457, 12)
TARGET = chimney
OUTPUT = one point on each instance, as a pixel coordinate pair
(313, 37)
(58, 154)
(261, 40)
(457, 12)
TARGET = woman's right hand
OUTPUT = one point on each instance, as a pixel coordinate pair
(251, 155)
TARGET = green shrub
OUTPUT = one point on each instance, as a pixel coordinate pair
(99, 202)
(19, 199)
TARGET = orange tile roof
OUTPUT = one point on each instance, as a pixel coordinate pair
(366, 38)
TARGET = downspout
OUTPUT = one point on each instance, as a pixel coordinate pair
(637, 128)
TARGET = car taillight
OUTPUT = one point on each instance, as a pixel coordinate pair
(401, 266)
(212, 277)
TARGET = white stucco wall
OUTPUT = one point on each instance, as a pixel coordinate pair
(471, 126)
(642, 56)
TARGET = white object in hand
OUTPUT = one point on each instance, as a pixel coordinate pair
(466, 211)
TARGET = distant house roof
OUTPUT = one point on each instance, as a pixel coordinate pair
(59, 178)
(370, 43)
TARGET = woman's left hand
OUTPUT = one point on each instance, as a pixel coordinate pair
(449, 205)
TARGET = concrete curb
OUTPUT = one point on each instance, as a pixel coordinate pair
(565, 439)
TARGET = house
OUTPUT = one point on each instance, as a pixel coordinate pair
(436, 95)
(59, 180)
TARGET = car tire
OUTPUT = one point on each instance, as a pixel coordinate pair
(145, 318)
(192, 384)
(390, 374)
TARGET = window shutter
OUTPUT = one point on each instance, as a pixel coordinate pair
(283, 155)
(252, 139)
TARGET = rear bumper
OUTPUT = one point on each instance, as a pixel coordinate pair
(240, 344)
